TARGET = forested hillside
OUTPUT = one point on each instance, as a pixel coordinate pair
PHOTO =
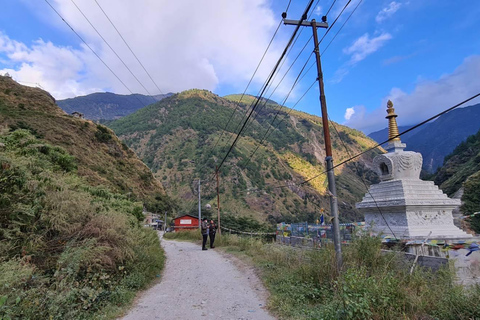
(107, 105)
(101, 158)
(72, 241)
(462, 169)
(177, 138)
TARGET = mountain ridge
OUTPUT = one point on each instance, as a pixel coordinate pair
(436, 139)
(175, 138)
(107, 105)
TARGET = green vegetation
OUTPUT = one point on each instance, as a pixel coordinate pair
(462, 169)
(175, 137)
(188, 235)
(304, 284)
(68, 250)
(99, 155)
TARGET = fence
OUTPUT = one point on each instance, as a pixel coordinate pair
(314, 235)
(269, 236)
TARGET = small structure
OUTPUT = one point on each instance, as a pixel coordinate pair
(402, 205)
(77, 114)
(186, 222)
(152, 220)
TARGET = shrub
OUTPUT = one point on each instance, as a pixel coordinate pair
(68, 250)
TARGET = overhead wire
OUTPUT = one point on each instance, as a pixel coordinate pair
(276, 114)
(361, 177)
(339, 30)
(396, 136)
(111, 48)
(268, 80)
(268, 129)
(129, 48)
(246, 88)
(93, 51)
(379, 144)
(275, 75)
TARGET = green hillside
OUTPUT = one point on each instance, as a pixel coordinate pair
(175, 138)
(72, 241)
(462, 169)
(101, 158)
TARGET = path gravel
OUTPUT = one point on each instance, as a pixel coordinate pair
(200, 284)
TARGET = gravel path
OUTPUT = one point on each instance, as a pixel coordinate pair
(200, 284)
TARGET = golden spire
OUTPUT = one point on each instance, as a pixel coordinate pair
(392, 122)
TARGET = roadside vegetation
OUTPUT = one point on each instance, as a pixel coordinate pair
(68, 250)
(304, 284)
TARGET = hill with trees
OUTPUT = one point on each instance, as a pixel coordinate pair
(107, 105)
(181, 138)
(461, 169)
(72, 241)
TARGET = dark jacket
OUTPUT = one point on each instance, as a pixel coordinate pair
(212, 228)
(204, 227)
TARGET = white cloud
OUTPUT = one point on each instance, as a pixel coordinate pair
(364, 46)
(52, 67)
(319, 11)
(183, 44)
(388, 11)
(427, 99)
(349, 113)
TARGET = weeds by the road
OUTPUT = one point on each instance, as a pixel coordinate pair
(190, 235)
(67, 250)
(304, 284)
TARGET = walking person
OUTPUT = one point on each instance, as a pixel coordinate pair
(204, 228)
(212, 229)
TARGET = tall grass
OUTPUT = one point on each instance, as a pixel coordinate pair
(304, 284)
(67, 250)
(189, 235)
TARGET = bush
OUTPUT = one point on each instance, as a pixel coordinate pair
(68, 250)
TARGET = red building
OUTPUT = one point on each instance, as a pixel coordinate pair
(186, 222)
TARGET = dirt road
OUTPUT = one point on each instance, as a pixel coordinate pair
(200, 284)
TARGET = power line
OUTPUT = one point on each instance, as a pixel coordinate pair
(128, 46)
(336, 34)
(334, 21)
(246, 88)
(361, 177)
(398, 135)
(104, 63)
(278, 111)
(333, 3)
(281, 66)
(302, 68)
(379, 144)
(113, 50)
(269, 79)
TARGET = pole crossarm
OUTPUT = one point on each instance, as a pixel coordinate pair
(305, 23)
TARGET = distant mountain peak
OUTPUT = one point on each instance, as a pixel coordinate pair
(108, 105)
(437, 139)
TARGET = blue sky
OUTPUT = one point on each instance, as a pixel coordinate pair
(422, 54)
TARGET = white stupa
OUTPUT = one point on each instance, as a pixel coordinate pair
(402, 203)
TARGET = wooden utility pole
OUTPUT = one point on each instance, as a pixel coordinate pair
(218, 203)
(199, 208)
(326, 133)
